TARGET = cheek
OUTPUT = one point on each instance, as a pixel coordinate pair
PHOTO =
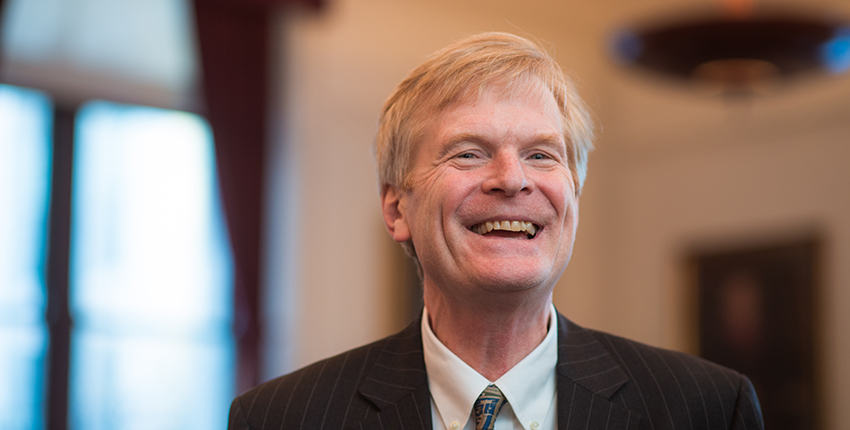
(425, 214)
(450, 192)
(559, 191)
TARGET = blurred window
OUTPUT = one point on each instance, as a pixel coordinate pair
(150, 286)
(25, 124)
(151, 272)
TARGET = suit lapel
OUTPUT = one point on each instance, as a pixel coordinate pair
(588, 377)
(398, 385)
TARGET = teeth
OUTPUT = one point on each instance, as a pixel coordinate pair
(489, 226)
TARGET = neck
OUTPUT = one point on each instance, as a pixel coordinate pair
(490, 338)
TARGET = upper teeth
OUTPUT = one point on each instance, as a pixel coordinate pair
(486, 227)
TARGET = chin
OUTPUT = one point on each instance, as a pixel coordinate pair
(513, 281)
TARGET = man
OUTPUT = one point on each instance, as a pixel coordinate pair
(482, 153)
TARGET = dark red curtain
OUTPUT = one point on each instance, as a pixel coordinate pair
(234, 39)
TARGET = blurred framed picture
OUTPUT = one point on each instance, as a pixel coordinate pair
(756, 315)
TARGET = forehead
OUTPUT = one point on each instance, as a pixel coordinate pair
(526, 109)
(525, 88)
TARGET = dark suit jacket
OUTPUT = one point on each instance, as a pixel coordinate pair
(604, 382)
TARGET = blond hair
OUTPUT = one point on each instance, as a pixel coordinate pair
(462, 71)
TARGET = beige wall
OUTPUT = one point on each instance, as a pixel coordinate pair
(675, 169)
(723, 174)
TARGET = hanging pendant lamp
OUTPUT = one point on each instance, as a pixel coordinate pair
(739, 49)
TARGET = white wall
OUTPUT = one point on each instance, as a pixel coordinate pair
(674, 169)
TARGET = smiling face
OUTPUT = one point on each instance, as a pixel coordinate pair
(491, 203)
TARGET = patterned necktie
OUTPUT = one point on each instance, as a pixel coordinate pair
(487, 406)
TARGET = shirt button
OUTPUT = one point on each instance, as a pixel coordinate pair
(534, 425)
(455, 425)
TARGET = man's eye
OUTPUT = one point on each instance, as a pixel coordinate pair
(538, 156)
(466, 155)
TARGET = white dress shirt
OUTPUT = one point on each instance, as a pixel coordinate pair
(529, 386)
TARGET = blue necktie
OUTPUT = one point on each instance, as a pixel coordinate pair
(487, 406)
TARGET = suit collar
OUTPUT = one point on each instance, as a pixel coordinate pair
(586, 373)
(400, 365)
(398, 385)
(588, 378)
(583, 359)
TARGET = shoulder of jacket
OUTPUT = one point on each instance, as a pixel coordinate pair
(314, 370)
(362, 356)
(675, 361)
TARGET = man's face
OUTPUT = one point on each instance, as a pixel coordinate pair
(498, 160)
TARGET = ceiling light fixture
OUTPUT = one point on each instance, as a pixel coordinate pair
(741, 50)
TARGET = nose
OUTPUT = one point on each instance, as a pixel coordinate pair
(506, 173)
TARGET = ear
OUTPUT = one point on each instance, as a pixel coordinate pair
(393, 208)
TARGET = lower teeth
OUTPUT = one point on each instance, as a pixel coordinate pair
(527, 235)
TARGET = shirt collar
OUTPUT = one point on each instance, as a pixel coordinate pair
(529, 386)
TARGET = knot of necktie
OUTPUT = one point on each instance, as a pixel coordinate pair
(487, 406)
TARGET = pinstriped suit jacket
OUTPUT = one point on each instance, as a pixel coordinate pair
(604, 382)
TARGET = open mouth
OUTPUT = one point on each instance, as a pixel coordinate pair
(506, 229)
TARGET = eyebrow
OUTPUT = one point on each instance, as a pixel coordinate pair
(457, 139)
(554, 139)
